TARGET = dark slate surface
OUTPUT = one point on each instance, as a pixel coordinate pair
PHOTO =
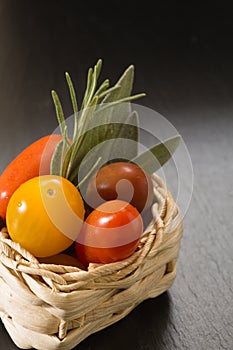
(183, 58)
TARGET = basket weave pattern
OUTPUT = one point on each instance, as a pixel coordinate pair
(46, 306)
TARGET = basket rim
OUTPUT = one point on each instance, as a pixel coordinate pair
(164, 211)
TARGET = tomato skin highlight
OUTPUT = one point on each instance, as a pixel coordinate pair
(110, 233)
(45, 215)
(26, 165)
(123, 181)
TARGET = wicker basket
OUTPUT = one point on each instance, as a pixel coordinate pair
(46, 306)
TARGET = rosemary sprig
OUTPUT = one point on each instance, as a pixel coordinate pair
(63, 148)
(105, 115)
(103, 88)
(91, 84)
(89, 173)
(60, 113)
(67, 155)
(74, 103)
(77, 142)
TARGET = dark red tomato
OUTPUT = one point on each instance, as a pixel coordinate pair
(110, 233)
(120, 180)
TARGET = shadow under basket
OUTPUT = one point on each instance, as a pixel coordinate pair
(46, 306)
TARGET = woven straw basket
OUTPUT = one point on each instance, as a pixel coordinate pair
(45, 306)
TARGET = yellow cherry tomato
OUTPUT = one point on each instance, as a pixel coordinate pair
(45, 215)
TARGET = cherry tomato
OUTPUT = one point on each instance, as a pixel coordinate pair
(31, 162)
(110, 233)
(120, 180)
(45, 215)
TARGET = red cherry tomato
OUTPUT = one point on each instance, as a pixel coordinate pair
(110, 233)
(120, 180)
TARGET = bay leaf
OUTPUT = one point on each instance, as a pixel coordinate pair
(155, 157)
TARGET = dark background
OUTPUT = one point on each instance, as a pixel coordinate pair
(183, 55)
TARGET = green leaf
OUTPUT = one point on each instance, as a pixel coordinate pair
(89, 173)
(124, 132)
(93, 75)
(74, 103)
(123, 144)
(155, 157)
(66, 162)
(126, 84)
(59, 112)
(88, 87)
(72, 92)
(73, 151)
(101, 94)
(122, 104)
(102, 89)
(55, 165)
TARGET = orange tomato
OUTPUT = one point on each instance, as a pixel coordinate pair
(31, 162)
(45, 215)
